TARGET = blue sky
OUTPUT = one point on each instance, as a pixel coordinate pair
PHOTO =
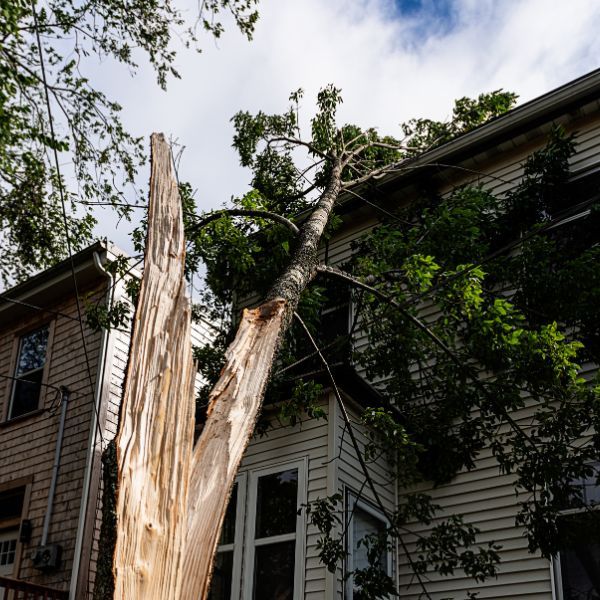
(428, 15)
(393, 59)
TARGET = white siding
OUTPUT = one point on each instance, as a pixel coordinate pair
(483, 495)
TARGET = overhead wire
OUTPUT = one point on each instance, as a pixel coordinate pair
(65, 219)
(357, 450)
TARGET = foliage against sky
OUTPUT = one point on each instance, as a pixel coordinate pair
(45, 52)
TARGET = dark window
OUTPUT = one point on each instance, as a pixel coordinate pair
(269, 570)
(275, 535)
(29, 371)
(274, 571)
(222, 577)
(580, 572)
(276, 503)
(11, 508)
(11, 504)
(578, 564)
(220, 585)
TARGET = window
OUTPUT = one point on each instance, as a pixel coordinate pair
(29, 371)
(577, 568)
(11, 506)
(272, 538)
(365, 520)
(225, 584)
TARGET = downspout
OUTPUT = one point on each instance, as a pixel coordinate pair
(93, 435)
(64, 392)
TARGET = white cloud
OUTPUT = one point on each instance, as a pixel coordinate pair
(389, 68)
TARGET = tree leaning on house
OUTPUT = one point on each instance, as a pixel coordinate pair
(507, 333)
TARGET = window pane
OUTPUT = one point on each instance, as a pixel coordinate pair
(220, 586)
(228, 531)
(580, 571)
(277, 503)
(274, 571)
(11, 503)
(26, 394)
(8, 548)
(32, 353)
(363, 525)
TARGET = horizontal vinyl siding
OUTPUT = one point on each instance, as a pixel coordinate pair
(484, 496)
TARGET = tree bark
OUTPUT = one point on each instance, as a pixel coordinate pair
(172, 499)
(154, 442)
(236, 399)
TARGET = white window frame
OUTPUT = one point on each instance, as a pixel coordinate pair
(352, 499)
(555, 566)
(43, 368)
(299, 535)
(238, 539)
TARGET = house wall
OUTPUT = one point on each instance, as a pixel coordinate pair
(484, 496)
(347, 474)
(332, 467)
(27, 444)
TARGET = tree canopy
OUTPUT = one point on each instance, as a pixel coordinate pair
(46, 52)
(512, 280)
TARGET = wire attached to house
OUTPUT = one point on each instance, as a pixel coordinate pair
(356, 447)
(64, 215)
(56, 313)
(13, 378)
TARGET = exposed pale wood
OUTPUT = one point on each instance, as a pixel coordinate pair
(234, 404)
(154, 442)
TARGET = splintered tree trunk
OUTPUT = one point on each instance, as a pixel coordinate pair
(234, 405)
(155, 438)
(172, 500)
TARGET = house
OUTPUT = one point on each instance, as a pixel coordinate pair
(492, 154)
(60, 390)
(59, 403)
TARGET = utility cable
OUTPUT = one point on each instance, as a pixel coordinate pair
(64, 215)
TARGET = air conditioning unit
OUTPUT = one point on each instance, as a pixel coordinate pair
(46, 558)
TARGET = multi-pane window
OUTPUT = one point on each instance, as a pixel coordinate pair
(11, 506)
(8, 549)
(29, 372)
(269, 548)
(225, 584)
(274, 536)
(365, 524)
(577, 568)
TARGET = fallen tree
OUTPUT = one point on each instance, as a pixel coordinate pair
(285, 224)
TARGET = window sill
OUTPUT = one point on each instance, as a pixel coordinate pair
(21, 418)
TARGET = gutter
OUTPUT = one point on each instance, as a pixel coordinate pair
(539, 111)
(93, 438)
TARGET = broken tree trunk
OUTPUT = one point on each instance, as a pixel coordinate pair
(235, 401)
(234, 404)
(155, 438)
(172, 501)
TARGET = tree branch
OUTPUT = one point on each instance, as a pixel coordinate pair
(298, 142)
(332, 271)
(234, 212)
